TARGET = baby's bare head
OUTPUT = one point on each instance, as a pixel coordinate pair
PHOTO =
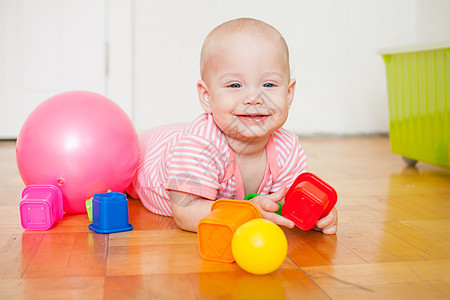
(218, 38)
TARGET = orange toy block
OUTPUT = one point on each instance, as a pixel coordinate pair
(216, 230)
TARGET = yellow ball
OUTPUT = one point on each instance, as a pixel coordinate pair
(259, 246)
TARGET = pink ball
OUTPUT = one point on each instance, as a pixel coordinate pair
(82, 143)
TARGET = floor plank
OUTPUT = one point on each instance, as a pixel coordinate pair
(393, 241)
(411, 280)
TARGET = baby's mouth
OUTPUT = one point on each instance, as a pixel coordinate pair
(253, 119)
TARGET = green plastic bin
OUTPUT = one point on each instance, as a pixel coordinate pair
(418, 81)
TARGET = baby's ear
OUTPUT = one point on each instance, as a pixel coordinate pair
(203, 96)
(291, 90)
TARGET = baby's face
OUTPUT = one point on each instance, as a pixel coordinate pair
(249, 86)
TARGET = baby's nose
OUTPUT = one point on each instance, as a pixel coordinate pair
(254, 99)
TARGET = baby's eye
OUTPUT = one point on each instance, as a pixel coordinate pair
(235, 85)
(268, 85)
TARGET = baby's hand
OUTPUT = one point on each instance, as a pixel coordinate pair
(328, 224)
(267, 205)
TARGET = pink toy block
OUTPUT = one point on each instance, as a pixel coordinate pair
(41, 207)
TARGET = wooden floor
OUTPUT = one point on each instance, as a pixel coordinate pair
(393, 242)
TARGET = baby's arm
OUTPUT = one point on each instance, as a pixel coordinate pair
(267, 205)
(328, 224)
(188, 209)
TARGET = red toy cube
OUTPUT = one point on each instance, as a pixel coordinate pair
(307, 200)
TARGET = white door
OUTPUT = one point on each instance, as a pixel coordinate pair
(47, 47)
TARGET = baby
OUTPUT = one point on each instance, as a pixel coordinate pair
(238, 146)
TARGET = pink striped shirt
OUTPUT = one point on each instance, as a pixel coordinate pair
(196, 159)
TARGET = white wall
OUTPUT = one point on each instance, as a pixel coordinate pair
(432, 21)
(47, 47)
(341, 79)
(154, 49)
